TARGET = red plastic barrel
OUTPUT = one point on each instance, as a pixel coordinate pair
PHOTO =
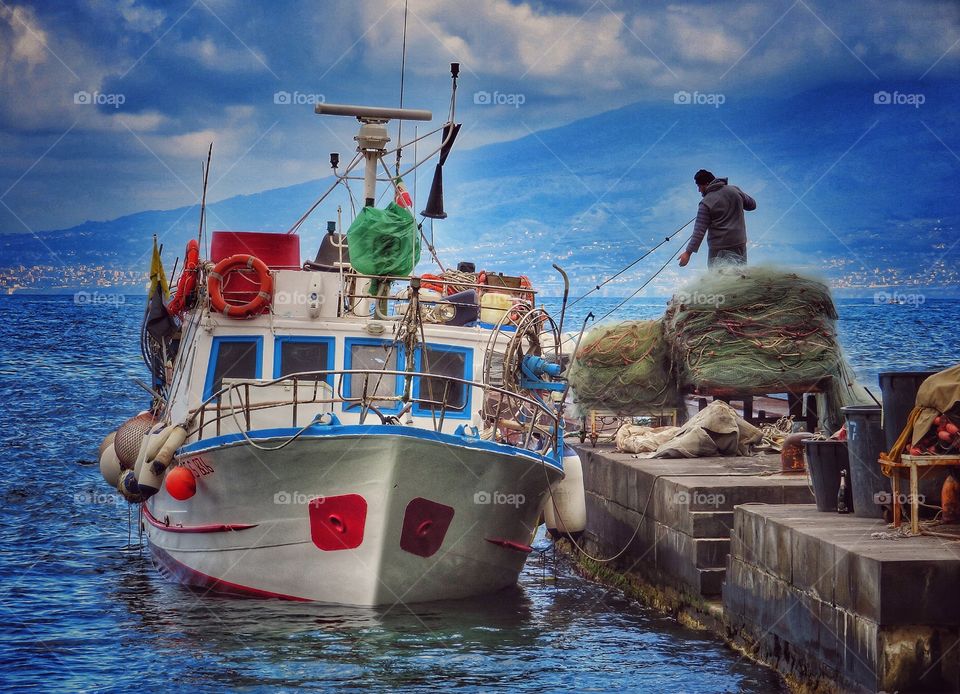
(279, 251)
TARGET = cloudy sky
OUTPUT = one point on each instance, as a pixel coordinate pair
(108, 106)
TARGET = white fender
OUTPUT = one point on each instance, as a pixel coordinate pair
(153, 469)
(566, 509)
(107, 442)
(152, 443)
(110, 465)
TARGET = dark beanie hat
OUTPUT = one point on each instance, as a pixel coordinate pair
(703, 176)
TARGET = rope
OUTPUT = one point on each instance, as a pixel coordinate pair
(246, 436)
(642, 286)
(620, 272)
(580, 549)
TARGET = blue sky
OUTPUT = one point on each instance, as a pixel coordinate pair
(162, 80)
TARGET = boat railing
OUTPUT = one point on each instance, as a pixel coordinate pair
(352, 294)
(504, 416)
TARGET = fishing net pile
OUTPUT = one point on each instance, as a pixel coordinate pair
(623, 368)
(736, 330)
(758, 330)
(753, 330)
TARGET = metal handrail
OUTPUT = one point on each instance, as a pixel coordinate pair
(532, 418)
(445, 282)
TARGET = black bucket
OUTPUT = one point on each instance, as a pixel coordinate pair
(865, 443)
(899, 394)
(825, 460)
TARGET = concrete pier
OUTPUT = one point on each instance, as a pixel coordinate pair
(679, 513)
(828, 600)
(820, 597)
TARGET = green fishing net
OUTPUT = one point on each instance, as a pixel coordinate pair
(753, 330)
(624, 368)
(734, 331)
(759, 330)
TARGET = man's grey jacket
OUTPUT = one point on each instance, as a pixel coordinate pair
(721, 214)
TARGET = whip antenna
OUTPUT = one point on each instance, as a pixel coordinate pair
(203, 198)
(403, 66)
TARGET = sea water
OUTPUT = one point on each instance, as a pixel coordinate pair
(82, 608)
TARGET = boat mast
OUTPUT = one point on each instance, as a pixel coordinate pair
(373, 138)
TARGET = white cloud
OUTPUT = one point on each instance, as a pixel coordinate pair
(701, 37)
(147, 121)
(28, 38)
(139, 17)
(499, 39)
(221, 58)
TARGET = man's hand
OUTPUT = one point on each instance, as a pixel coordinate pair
(684, 259)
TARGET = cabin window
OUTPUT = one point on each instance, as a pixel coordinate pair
(373, 356)
(232, 357)
(295, 354)
(444, 364)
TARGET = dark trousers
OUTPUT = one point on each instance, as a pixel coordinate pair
(737, 255)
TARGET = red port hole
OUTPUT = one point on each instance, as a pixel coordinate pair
(424, 527)
(336, 522)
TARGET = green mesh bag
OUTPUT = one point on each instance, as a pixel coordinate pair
(624, 369)
(384, 242)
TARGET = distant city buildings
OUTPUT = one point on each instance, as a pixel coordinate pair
(842, 275)
(54, 277)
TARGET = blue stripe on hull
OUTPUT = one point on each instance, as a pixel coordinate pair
(319, 431)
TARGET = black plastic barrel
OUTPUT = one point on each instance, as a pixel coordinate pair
(899, 394)
(825, 460)
(865, 442)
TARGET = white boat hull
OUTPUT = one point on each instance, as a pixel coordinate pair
(369, 515)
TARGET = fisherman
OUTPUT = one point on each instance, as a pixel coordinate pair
(720, 217)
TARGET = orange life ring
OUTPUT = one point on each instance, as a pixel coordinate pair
(188, 278)
(237, 262)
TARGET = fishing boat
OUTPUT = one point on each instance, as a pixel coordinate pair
(344, 429)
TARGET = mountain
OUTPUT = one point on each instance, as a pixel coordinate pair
(856, 191)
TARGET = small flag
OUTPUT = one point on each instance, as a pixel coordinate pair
(158, 278)
(158, 321)
(403, 195)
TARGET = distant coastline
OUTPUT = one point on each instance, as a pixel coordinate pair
(894, 294)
